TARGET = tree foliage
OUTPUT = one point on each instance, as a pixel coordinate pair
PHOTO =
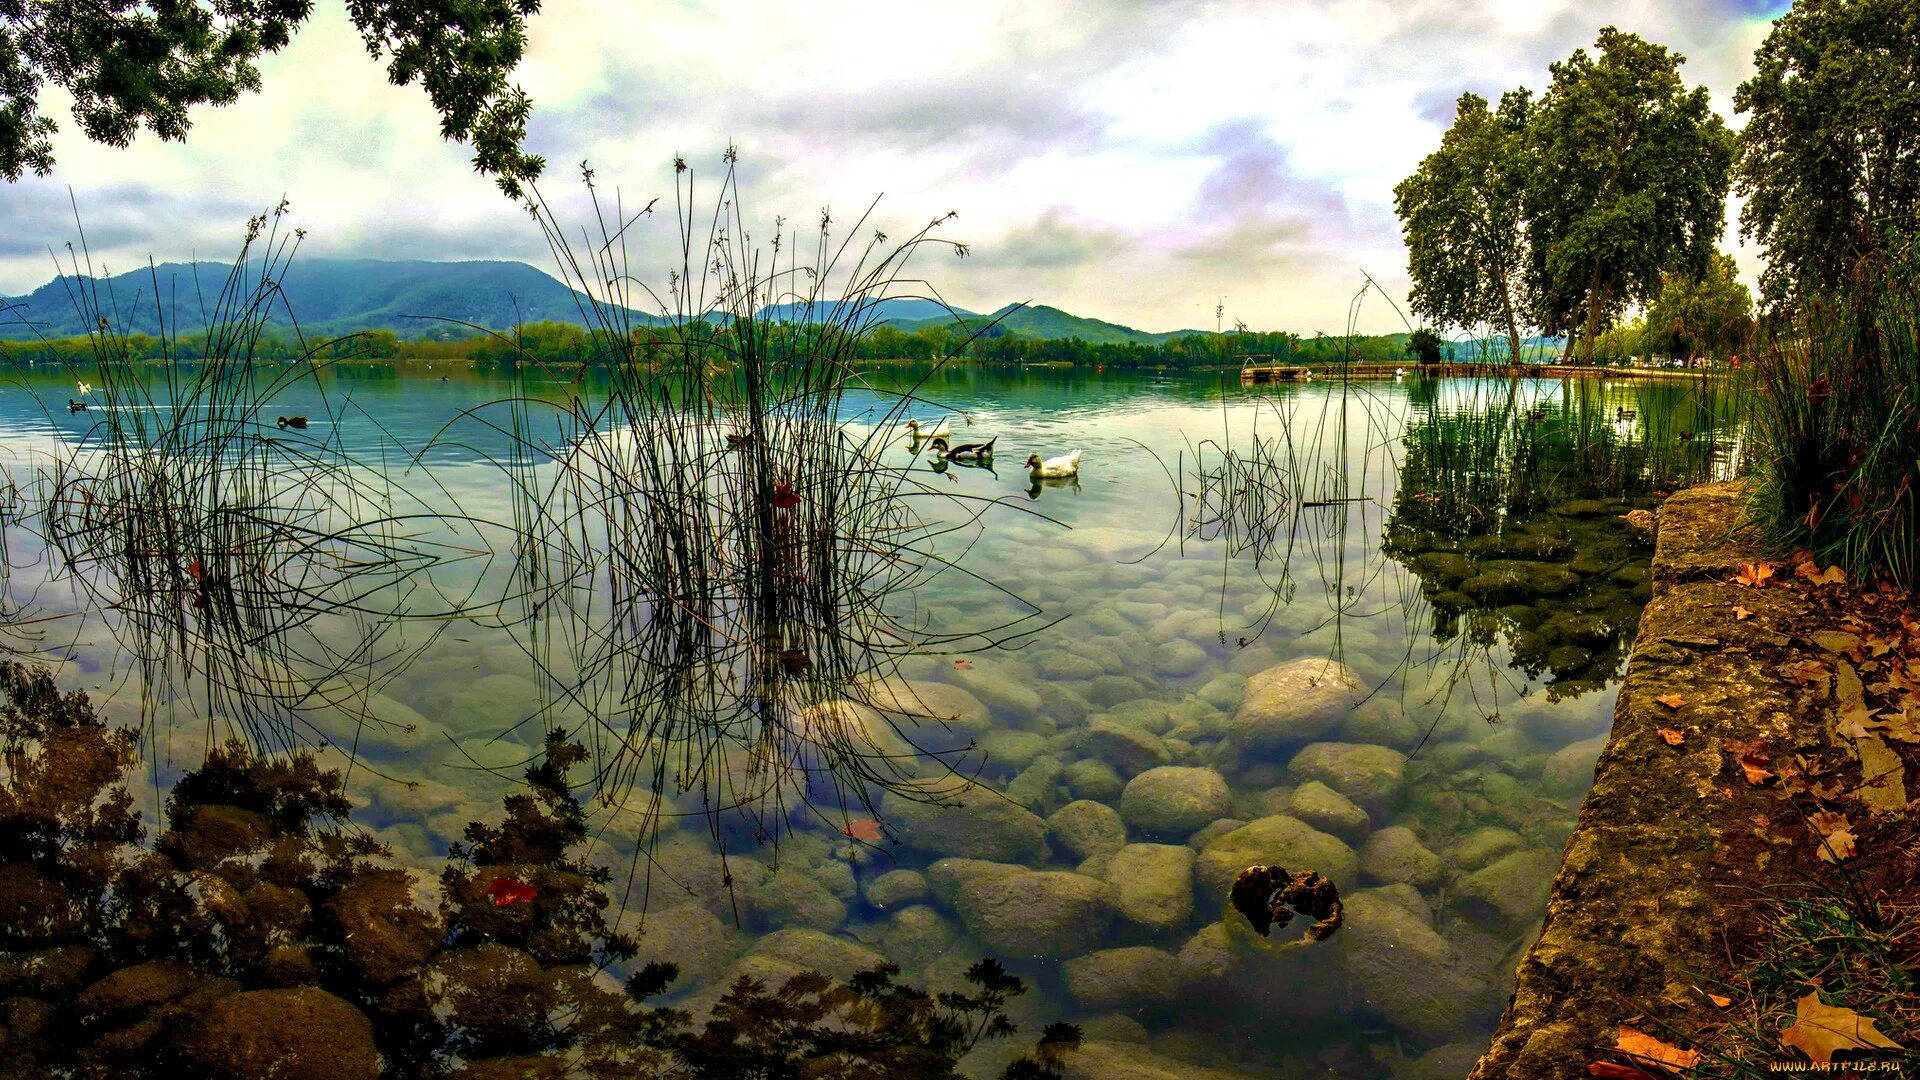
(1462, 213)
(1706, 315)
(1827, 159)
(130, 65)
(1630, 182)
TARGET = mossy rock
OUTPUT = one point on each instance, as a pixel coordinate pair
(298, 1034)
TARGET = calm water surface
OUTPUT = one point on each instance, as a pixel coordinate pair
(1438, 789)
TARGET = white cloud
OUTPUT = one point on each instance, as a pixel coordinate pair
(1131, 160)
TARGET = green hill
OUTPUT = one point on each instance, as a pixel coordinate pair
(1041, 321)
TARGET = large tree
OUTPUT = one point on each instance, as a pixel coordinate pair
(1828, 159)
(1708, 315)
(130, 63)
(1461, 213)
(1628, 181)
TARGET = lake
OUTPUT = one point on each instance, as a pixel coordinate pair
(1269, 624)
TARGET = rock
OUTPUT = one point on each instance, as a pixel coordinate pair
(1096, 1060)
(897, 888)
(299, 1034)
(1122, 978)
(1394, 855)
(1085, 828)
(135, 989)
(1482, 846)
(387, 937)
(1115, 1027)
(1406, 896)
(815, 951)
(1038, 788)
(1292, 703)
(1442, 569)
(1449, 1062)
(1514, 886)
(1128, 749)
(1382, 723)
(1569, 772)
(1148, 714)
(210, 834)
(687, 935)
(984, 826)
(1213, 830)
(1014, 750)
(911, 703)
(789, 897)
(1327, 810)
(1404, 971)
(1002, 692)
(1096, 780)
(1368, 775)
(1153, 885)
(1224, 691)
(1277, 840)
(1036, 914)
(1178, 659)
(1172, 801)
(914, 936)
(849, 727)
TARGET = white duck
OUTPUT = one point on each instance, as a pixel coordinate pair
(941, 430)
(1053, 468)
(85, 389)
(1399, 373)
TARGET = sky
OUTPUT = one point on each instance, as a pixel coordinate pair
(1140, 161)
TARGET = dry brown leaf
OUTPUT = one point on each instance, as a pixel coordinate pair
(1819, 1030)
(1671, 701)
(1647, 1048)
(1754, 574)
(1753, 759)
(1674, 738)
(1740, 613)
(1832, 575)
(1719, 1001)
(1853, 721)
(1836, 835)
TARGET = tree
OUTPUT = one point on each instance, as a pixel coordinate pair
(1461, 213)
(1423, 346)
(1826, 159)
(1708, 315)
(128, 64)
(1629, 181)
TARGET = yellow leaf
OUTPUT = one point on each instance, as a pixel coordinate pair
(1819, 1030)
(1853, 721)
(1719, 1001)
(1754, 574)
(1836, 835)
(1647, 1048)
(1671, 701)
(1740, 613)
(1674, 738)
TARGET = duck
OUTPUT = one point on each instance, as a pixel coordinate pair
(86, 388)
(1053, 468)
(1686, 436)
(76, 406)
(292, 422)
(1623, 413)
(1399, 373)
(964, 451)
(938, 431)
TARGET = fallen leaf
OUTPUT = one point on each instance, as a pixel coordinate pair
(962, 664)
(1819, 1030)
(1853, 721)
(1673, 737)
(1754, 574)
(1647, 1048)
(1753, 759)
(1740, 613)
(1832, 575)
(1719, 1001)
(511, 891)
(784, 496)
(1836, 835)
(865, 829)
(1671, 701)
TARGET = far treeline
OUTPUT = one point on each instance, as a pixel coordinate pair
(566, 344)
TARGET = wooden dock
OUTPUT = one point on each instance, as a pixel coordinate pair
(1253, 374)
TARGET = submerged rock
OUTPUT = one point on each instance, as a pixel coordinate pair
(1570, 770)
(1172, 801)
(1095, 780)
(1085, 828)
(1327, 810)
(1273, 841)
(1368, 775)
(914, 936)
(1513, 886)
(896, 888)
(1404, 971)
(816, 951)
(1292, 703)
(1096, 1060)
(1036, 913)
(1128, 749)
(299, 1034)
(1122, 978)
(1153, 884)
(985, 825)
(1395, 856)
(687, 935)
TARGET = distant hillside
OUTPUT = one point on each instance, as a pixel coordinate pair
(1041, 321)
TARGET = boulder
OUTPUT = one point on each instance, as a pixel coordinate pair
(1153, 885)
(1085, 828)
(387, 937)
(1514, 886)
(1171, 801)
(911, 704)
(1178, 659)
(896, 888)
(1013, 750)
(1327, 810)
(1403, 971)
(1277, 840)
(1122, 978)
(913, 936)
(1569, 772)
(816, 951)
(1213, 830)
(1036, 914)
(1482, 846)
(303, 1033)
(1038, 787)
(788, 897)
(1100, 1060)
(687, 935)
(949, 878)
(1089, 778)
(984, 825)
(1368, 775)
(1128, 749)
(1292, 703)
(1395, 856)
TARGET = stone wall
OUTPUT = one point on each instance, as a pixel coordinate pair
(1634, 910)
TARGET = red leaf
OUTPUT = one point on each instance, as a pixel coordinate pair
(1674, 738)
(784, 497)
(1671, 701)
(865, 829)
(193, 570)
(962, 664)
(510, 891)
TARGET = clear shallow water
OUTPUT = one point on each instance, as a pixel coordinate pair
(1500, 691)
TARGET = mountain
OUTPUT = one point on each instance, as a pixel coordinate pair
(893, 311)
(1041, 321)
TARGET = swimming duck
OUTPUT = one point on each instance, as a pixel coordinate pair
(292, 422)
(1399, 373)
(76, 406)
(965, 451)
(1623, 413)
(938, 431)
(1053, 468)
